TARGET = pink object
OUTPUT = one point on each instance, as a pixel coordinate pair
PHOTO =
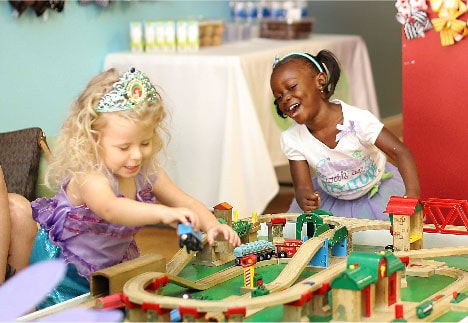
(29, 287)
(22, 292)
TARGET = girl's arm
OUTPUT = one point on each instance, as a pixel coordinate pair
(171, 195)
(97, 194)
(175, 207)
(306, 196)
(400, 153)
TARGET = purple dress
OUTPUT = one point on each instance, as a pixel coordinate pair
(82, 239)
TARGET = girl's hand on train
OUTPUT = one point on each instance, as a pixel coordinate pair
(175, 215)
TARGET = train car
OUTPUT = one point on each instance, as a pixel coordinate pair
(424, 309)
(262, 249)
(191, 239)
(287, 248)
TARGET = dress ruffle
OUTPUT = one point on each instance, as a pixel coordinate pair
(71, 286)
(86, 240)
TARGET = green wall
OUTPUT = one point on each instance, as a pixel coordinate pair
(45, 64)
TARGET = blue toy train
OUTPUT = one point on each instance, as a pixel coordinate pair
(188, 237)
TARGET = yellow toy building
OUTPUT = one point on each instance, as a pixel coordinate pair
(275, 229)
(407, 222)
(254, 228)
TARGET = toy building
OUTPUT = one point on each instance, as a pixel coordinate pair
(406, 218)
(254, 228)
(246, 229)
(276, 229)
(221, 251)
(223, 211)
(370, 281)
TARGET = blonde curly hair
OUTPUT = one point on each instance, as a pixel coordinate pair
(77, 149)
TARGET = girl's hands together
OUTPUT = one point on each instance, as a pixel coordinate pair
(228, 233)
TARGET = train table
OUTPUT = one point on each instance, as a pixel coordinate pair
(327, 278)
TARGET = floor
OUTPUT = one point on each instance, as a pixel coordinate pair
(164, 240)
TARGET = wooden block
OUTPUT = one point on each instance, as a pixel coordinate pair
(420, 271)
(403, 282)
(459, 307)
(111, 280)
(319, 305)
(292, 313)
(346, 305)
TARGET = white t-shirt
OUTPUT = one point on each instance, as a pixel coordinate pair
(352, 168)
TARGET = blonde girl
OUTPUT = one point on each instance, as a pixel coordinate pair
(111, 183)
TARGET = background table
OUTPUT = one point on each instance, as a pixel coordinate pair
(224, 137)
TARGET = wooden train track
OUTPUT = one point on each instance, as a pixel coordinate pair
(296, 266)
(434, 252)
(181, 259)
(352, 224)
(441, 304)
(135, 288)
(217, 278)
(284, 289)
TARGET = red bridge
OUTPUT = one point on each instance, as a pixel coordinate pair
(447, 215)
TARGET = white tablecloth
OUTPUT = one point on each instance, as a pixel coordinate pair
(225, 142)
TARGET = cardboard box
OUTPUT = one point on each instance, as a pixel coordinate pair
(282, 29)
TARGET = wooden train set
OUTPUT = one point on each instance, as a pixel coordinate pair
(345, 285)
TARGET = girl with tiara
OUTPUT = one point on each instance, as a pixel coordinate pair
(111, 183)
(344, 146)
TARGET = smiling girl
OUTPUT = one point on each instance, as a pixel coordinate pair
(344, 146)
(111, 183)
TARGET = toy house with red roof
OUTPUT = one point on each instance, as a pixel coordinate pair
(275, 229)
(407, 222)
(224, 211)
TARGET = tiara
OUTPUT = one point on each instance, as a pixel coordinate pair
(128, 92)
